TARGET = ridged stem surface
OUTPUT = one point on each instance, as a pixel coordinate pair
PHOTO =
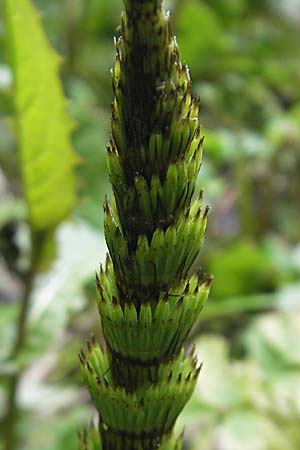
(148, 294)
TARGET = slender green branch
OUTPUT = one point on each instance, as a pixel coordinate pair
(11, 417)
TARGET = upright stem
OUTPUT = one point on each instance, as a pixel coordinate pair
(149, 296)
(10, 420)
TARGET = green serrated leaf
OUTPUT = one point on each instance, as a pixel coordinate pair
(44, 127)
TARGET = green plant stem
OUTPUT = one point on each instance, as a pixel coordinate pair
(10, 420)
(11, 414)
(148, 295)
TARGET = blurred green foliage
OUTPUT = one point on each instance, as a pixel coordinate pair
(246, 266)
(260, 392)
(244, 58)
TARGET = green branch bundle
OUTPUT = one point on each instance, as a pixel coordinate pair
(148, 296)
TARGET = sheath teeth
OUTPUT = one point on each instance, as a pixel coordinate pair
(149, 293)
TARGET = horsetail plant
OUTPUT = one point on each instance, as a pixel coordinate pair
(148, 294)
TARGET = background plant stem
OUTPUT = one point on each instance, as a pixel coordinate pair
(11, 417)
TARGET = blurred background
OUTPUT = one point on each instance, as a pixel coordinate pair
(244, 58)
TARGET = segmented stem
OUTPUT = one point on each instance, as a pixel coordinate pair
(148, 294)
